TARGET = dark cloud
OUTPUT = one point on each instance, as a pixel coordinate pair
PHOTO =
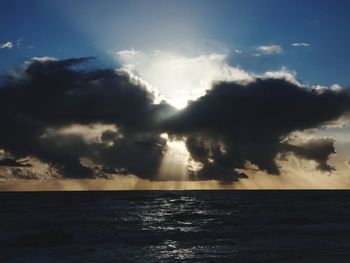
(53, 94)
(21, 173)
(234, 123)
(230, 126)
(13, 163)
(317, 149)
(214, 158)
(141, 154)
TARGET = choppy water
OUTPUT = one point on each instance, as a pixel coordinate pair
(175, 226)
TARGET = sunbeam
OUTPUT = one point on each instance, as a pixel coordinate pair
(174, 166)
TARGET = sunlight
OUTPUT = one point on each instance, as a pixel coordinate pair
(174, 165)
(179, 102)
(179, 77)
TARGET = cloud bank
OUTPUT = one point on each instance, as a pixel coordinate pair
(97, 122)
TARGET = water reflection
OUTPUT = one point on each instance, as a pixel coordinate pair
(166, 222)
(178, 226)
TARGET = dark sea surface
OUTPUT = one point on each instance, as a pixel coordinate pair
(175, 226)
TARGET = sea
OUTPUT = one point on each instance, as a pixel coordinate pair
(175, 226)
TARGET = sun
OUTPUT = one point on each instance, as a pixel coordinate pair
(176, 76)
(179, 102)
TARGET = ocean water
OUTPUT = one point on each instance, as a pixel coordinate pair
(175, 226)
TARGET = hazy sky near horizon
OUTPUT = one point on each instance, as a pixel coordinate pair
(169, 53)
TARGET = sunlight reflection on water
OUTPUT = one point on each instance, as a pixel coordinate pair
(177, 226)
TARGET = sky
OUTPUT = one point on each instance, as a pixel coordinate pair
(174, 94)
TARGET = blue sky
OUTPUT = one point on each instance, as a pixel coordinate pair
(93, 28)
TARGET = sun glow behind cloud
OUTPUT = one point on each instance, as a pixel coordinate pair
(178, 77)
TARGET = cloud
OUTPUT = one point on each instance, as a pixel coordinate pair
(99, 122)
(235, 124)
(284, 73)
(52, 95)
(336, 88)
(316, 149)
(300, 44)
(269, 50)
(15, 44)
(18, 42)
(8, 45)
(13, 163)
